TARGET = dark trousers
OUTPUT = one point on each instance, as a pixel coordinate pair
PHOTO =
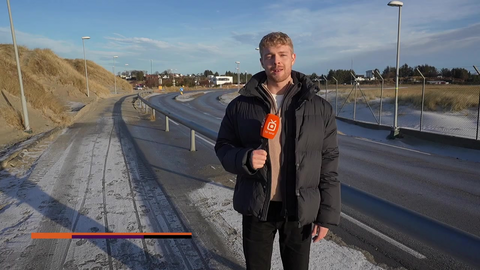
(258, 239)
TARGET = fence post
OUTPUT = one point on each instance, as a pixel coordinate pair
(478, 115)
(153, 114)
(354, 97)
(167, 122)
(336, 95)
(478, 106)
(423, 99)
(326, 88)
(192, 141)
(381, 99)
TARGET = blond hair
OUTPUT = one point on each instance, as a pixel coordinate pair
(275, 39)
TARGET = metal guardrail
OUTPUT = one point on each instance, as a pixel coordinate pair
(435, 234)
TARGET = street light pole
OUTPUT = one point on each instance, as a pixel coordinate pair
(114, 76)
(85, 59)
(246, 77)
(395, 131)
(126, 71)
(238, 75)
(26, 123)
(151, 66)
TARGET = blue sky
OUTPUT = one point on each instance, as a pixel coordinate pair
(191, 36)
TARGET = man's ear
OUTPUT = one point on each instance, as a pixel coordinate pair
(261, 63)
(294, 57)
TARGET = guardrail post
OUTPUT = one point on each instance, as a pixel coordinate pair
(192, 141)
(167, 122)
(153, 114)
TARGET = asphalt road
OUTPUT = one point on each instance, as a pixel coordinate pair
(100, 175)
(442, 188)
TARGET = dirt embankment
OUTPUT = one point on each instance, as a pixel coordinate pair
(55, 90)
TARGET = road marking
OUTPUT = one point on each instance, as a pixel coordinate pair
(207, 141)
(394, 146)
(172, 121)
(390, 240)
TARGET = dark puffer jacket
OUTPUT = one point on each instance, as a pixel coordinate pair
(309, 160)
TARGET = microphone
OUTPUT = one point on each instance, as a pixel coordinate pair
(270, 128)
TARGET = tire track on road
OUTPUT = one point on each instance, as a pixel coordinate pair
(164, 217)
(82, 204)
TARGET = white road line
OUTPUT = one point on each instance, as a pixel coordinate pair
(392, 241)
(207, 141)
(172, 121)
(394, 146)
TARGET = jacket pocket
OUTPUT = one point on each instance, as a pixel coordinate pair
(249, 196)
(308, 203)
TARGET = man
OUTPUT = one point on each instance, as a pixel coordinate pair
(289, 183)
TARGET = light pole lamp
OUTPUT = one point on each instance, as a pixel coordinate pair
(114, 76)
(85, 60)
(26, 123)
(395, 131)
(238, 75)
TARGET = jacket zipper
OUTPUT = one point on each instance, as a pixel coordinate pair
(284, 181)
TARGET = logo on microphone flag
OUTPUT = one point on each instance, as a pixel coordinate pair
(270, 128)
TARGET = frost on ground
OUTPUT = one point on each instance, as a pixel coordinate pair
(215, 203)
(90, 180)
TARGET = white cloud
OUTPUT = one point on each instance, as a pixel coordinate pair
(37, 41)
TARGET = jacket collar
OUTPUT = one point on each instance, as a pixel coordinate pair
(300, 80)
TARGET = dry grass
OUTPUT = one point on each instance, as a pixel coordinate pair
(36, 94)
(98, 78)
(437, 97)
(50, 81)
(12, 118)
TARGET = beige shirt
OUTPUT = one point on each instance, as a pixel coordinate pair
(275, 147)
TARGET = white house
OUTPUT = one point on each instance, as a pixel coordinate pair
(219, 80)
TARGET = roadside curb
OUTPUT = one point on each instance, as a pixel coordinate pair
(17, 154)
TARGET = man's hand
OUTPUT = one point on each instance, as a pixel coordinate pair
(318, 233)
(258, 158)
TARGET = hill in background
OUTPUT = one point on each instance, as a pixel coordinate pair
(55, 89)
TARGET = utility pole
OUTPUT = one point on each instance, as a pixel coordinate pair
(26, 123)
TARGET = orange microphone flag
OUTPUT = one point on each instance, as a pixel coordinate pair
(270, 127)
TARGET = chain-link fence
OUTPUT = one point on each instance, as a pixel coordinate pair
(426, 105)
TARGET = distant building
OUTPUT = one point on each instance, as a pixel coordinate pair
(437, 82)
(220, 80)
(360, 78)
(153, 80)
(369, 74)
